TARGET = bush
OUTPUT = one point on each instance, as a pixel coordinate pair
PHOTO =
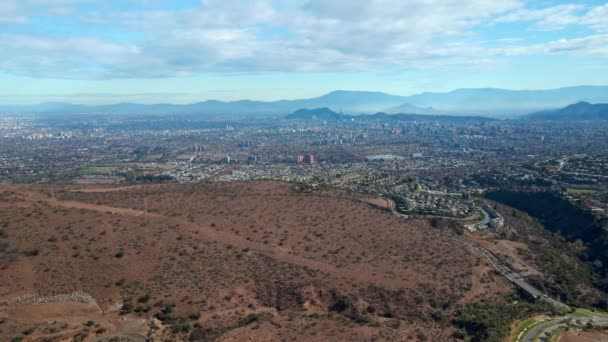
(166, 314)
(342, 304)
(32, 252)
(126, 308)
(144, 299)
(181, 327)
(248, 320)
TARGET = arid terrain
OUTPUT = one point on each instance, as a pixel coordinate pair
(231, 261)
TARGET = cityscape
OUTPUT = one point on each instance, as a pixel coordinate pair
(303, 170)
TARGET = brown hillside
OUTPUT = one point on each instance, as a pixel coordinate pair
(227, 261)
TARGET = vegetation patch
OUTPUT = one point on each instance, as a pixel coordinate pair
(492, 322)
(576, 225)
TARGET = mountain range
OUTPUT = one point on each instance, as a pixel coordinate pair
(480, 101)
(326, 114)
(576, 112)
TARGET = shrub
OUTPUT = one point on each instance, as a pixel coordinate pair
(166, 314)
(144, 299)
(248, 320)
(181, 327)
(126, 308)
(32, 252)
(342, 304)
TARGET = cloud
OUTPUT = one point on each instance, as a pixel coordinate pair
(20, 11)
(549, 18)
(597, 18)
(254, 36)
(561, 16)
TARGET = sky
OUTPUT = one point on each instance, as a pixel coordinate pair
(152, 51)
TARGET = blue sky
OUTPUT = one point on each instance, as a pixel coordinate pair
(151, 51)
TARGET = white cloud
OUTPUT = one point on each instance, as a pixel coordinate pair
(561, 16)
(549, 18)
(272, 35)
(597, 18)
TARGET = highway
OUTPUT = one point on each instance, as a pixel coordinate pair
(514, 277)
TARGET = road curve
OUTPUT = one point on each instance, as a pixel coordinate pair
(531, 334)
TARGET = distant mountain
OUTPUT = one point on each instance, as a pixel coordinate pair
(421, 117)
(326, 114)
(485, 101)
(408, 108)
(575, 112)
(500, 102)
(353, 102)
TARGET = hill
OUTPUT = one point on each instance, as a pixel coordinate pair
(575, 112)
(226, 261)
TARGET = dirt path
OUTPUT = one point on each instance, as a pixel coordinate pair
(113, 189)
(208, 233)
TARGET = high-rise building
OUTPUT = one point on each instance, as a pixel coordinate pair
(299, 159)
(309, 159)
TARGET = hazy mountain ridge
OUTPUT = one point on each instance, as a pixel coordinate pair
(409, 108)
(349, 101)
(482, 101)
(326, 114)
(574, 112)
(489, 101)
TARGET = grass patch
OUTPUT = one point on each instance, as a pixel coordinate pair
(581, 191)
(587, 313)
(96, 170)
